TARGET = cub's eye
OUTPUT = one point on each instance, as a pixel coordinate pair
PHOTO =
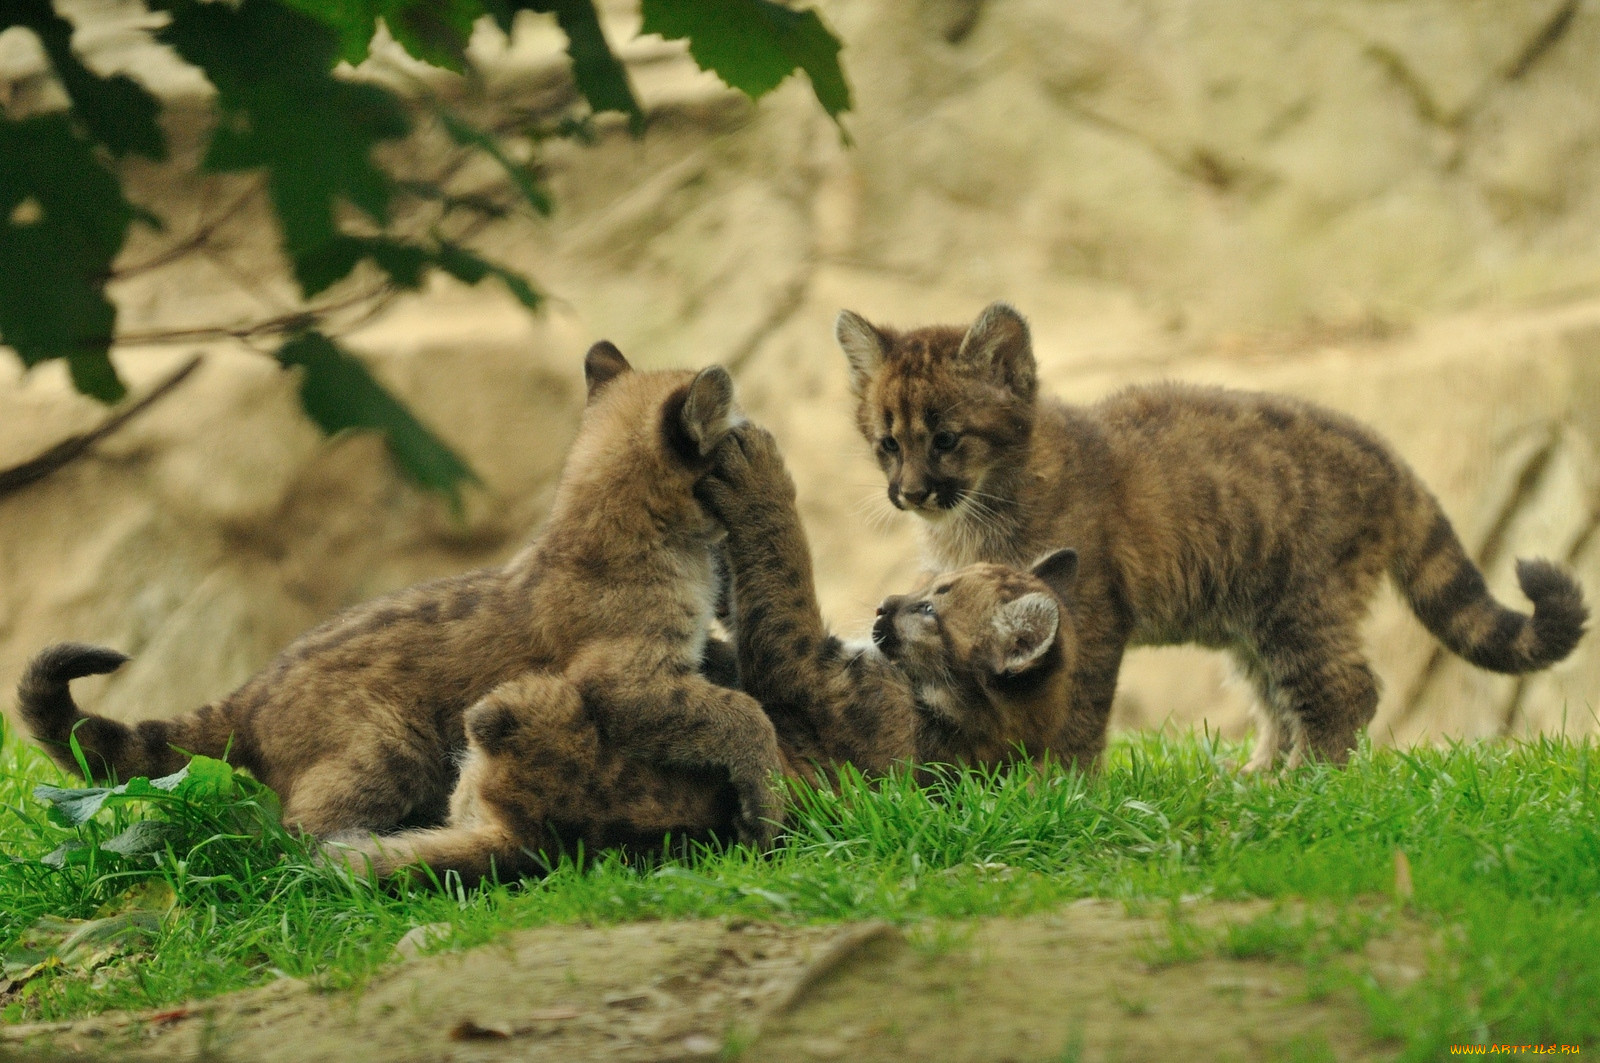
(889, 445)
(945, 441)
(925, 608)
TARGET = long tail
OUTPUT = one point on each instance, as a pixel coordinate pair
(110, 749)
(472, 853)
(1448, 594)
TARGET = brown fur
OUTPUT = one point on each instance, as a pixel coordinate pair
(357, 724)
(974, 677)
(1252, 522)
(976, 674)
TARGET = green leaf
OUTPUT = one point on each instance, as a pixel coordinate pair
(752, 45)
(73, 807)
(599, 75)
(435, 31)
(465, 266)
(68, 854)
(144, 837)
(282, 110)
(205, 777)
(116, 110)
(339, 393)
(63, 220)
(406, 264)
(470, 136)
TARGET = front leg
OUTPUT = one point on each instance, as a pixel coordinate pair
(776, 622)
(658, 712)
(1102, 634)
(829, 704)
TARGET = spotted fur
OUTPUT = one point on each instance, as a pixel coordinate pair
(1251, 522)
(359, 724)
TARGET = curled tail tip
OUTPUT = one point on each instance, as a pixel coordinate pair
(66, 661)
(42, 695)
(1560, 614)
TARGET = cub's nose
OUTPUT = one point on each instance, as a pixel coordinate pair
(884, 635)
(917, 497)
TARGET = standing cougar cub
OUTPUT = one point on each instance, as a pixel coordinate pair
(969, 671)
(356, 725)
(1251, 522)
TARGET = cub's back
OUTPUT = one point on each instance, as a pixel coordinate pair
(1226, 495)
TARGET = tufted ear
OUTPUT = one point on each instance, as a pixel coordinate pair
(601, 364)
(1059, 570)
(998, 345)
(862, 344)
(1024, 630)
(708, 411)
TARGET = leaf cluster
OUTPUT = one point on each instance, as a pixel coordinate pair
(289, 112)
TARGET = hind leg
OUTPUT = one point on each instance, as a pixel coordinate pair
(1324, 689)
(649, 710)
(530, 748)
(341, 797)
(1274, 724)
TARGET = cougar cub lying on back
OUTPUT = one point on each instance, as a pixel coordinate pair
(1251, 522)
(356, 724)
(967, 672)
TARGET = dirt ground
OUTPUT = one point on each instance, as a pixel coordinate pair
(1088, 981)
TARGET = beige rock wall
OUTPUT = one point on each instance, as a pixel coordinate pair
(1389, 207)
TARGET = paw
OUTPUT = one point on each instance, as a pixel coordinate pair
(747, 472)
(760, 816)
(760, 789)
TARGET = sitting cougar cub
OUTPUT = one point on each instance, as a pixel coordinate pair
(1251, 522)
(970, 671)
(356, 725)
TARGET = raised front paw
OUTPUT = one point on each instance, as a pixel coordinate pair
(747, 476)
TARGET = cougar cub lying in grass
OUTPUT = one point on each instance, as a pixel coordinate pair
(968, 671)
(356, 725)
(1251, 522)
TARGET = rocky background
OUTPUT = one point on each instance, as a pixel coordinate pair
(1389, 206)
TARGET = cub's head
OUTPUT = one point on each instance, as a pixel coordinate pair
(988, 650)
(944, 409)
(647, 437)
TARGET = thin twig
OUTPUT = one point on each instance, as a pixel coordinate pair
(20, 476)
(194, 241)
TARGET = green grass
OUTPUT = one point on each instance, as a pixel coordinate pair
(1503, 842)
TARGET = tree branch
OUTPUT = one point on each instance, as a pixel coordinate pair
(20, 476)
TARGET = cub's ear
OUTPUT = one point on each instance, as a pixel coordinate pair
(491, 725)
(862, 344)
(708, 411)
(1024, 630)
(601, 364)
(1058, 569)
(998, 344)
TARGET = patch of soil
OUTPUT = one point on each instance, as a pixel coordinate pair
(1084, 982)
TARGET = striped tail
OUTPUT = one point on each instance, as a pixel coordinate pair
(111, 749)
(1450, 597)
